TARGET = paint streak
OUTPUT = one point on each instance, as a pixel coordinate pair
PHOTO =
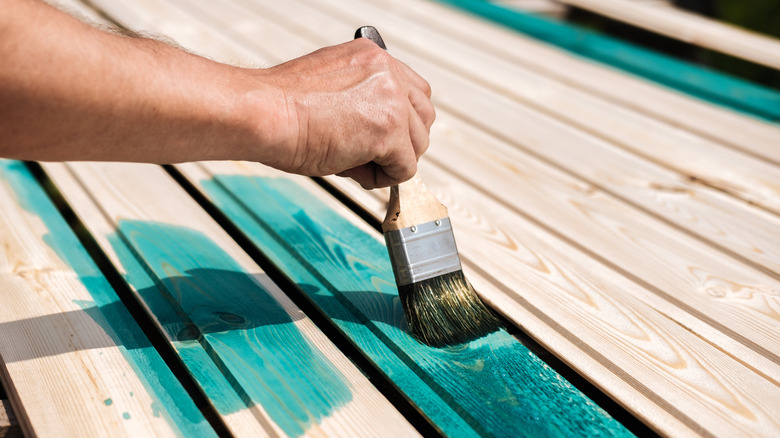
(251, 341)
(491, 386)
(106, 309)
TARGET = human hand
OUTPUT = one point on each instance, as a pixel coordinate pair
(352, 110)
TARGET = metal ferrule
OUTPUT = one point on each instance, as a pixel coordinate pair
(422, 251)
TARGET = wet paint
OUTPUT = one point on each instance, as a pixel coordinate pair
(242, 347)
(106, 309)
(491, 386)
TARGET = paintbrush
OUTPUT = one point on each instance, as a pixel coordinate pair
(440, 305)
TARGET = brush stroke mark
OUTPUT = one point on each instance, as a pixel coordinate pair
(495, 385)
(107, 310)
(209, 303)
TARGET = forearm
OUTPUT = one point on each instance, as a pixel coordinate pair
(71, 92)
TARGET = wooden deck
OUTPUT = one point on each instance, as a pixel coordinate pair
(628, 234)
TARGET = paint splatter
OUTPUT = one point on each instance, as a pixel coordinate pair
(108, 402)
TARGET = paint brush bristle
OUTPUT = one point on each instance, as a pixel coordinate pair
(445, 310)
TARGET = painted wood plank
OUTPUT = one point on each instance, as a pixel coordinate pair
(723, 126)
(494, 384)
(690, 288)
(709, 85)
(73, 361)
(265, 361)
(689, 27)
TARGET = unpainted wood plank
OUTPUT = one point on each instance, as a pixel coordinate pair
(9, 427)
(261, 350)
(73, 361)
(689, 27)
(493, 383)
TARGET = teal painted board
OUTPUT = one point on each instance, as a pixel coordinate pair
(493, 384)
(106, 309)
(715, 87)
(242, 347)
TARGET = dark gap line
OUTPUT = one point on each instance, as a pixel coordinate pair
(376, 376)
(613, 408)
(115, 279)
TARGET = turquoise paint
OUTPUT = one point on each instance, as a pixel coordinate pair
(107, 310)
(218, 308)
(492, 386)
(710, 85)
(126, 415)
(108, 402)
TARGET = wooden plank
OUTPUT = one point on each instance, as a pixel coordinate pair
(494, 383)
(267, 368)
(74, 362)
(718, 88)
(9, 427)
(689, 27)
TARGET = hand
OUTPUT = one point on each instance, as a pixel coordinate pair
(353, 110)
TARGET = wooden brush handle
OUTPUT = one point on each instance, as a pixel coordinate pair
(411, 203)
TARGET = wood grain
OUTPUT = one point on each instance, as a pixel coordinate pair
(690, 28)
(74, 363)
(266, 368)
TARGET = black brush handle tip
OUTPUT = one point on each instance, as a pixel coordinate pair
(371, 33)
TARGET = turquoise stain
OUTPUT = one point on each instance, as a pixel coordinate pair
(250, 339)
(106, 309)
(126, 415)
(108, 402)
(492, 386)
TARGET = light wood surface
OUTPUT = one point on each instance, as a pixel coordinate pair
(411, 203)
(688, 27)
(632, 231)
(252, 337)
(73, 361)
(617, 214)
